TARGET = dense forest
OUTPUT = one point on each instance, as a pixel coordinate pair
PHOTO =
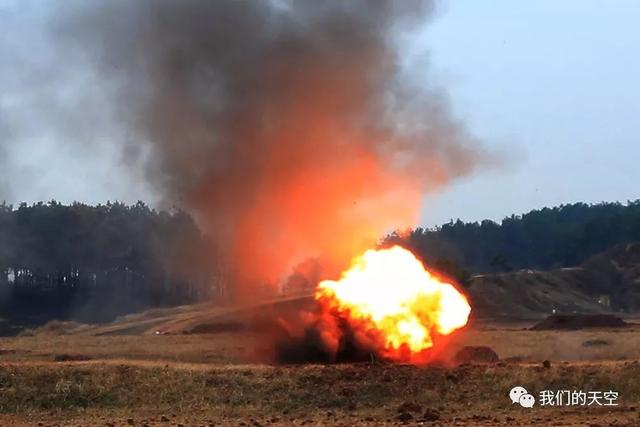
(92, 263)
(562, 236)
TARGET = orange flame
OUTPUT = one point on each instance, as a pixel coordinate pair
(390, 291)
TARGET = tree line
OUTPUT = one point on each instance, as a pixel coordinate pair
(563, 236)
(92, 263)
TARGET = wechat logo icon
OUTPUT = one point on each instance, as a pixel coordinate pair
(520, 395)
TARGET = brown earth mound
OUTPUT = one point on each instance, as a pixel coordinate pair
(475, 354)
(215, 328)
(579, 321)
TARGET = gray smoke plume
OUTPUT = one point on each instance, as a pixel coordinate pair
(282, 125)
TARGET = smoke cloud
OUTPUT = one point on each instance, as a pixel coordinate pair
(282, 125)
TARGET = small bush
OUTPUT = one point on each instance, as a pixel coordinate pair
(64, 357)
(595, 343)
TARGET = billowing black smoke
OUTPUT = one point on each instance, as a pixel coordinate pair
(282, 125)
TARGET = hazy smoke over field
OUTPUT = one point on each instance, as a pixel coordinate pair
(283, 126)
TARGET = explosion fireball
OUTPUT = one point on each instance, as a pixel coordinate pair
(389, 293)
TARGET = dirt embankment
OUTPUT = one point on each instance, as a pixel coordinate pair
(608, 282)
(579, 321)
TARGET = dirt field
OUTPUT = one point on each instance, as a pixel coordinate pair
(214, 379)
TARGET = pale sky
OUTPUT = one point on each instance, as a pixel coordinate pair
(554, 84)
(556, 80)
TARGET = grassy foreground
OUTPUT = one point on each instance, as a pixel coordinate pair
(154, 394)
(202, 380)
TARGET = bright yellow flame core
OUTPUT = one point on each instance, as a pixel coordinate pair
(391, 289)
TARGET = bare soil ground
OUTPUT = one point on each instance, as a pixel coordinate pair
(215, 379)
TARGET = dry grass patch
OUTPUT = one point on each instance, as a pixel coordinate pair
(259, 390)
(219, 349)
(202, 378)
(623, 344)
